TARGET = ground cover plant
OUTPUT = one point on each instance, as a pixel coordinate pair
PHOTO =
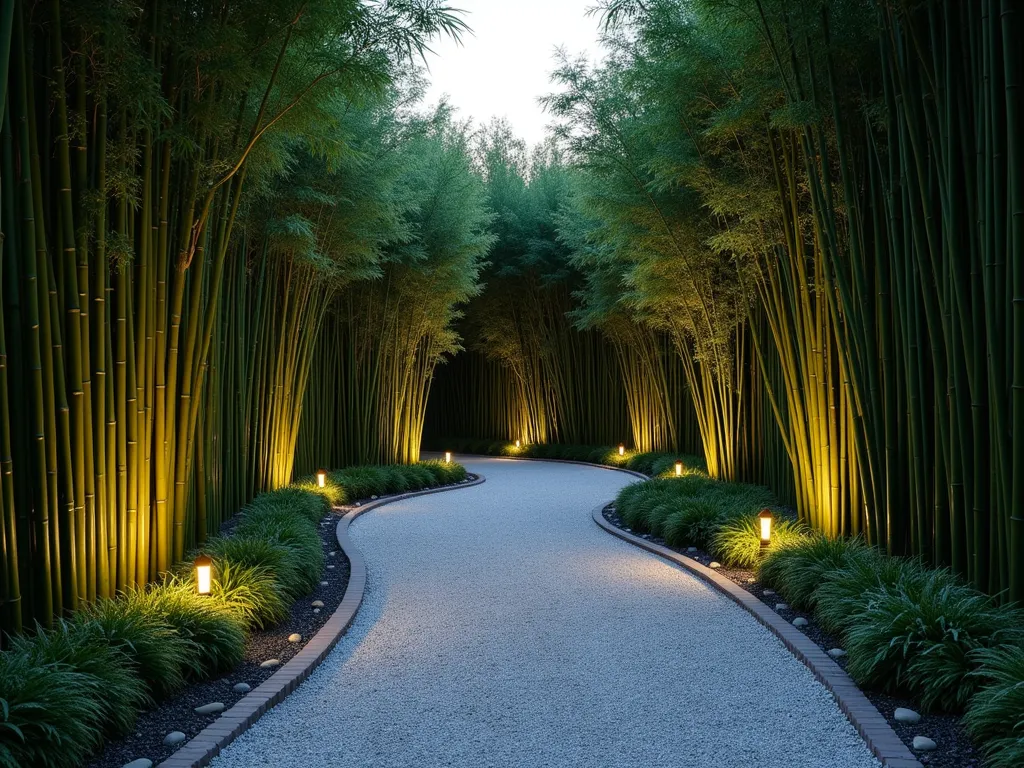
(913, 630)
(64, 689)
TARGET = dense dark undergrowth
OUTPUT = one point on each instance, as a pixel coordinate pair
(67, 690)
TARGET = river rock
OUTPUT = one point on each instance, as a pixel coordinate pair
(839, 653)
(691, 549)
(174, 738)
(799, 621)
(714, 564)
(768, 592)
(904, 715)
(295, 637)
(323, 583)
(316, 610)
(270, 664)
(923, 744)
(210, 709)
(781, 607)
(142, 762)
(317, 603)
(241, 688)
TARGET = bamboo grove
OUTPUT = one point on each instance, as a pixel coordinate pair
(189, 191)
(237, 247)
(797, 230)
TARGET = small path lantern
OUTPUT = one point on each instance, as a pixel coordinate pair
(622, 450)
(321, 478)
(447, 457)
(766, 528)
(517, 444)
(204, 574)
(679, 469)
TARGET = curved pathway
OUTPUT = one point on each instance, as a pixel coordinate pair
(502, 627)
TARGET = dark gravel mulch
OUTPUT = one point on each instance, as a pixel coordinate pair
(178, 712)
(955, 748)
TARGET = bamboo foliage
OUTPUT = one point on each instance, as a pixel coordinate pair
(130, 134)
(382, 340)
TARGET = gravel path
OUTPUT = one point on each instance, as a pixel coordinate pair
(501, 627)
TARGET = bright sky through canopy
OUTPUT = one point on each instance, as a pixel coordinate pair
(502, 68)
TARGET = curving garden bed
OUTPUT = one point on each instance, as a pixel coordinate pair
(110, 683)
(177, 714)
(956, 749)
(731, 537)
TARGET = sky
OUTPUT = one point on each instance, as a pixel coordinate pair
(503, 67)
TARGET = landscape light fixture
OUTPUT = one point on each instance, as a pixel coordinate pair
(622, 450)
(321, 478)
(447, 457)
(679, 469)
(766, 528)
(517, 444)
(204, 574)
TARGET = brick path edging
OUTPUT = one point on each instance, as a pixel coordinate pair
(208, 743)
(862, 714)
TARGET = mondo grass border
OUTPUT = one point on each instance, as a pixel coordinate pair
(862, 714)
(209, 742)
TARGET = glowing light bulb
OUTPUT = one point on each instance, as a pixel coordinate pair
(321, 478)
(622, 450)
(679, 469)
(766, 527)
(447, 457)
(204, 574)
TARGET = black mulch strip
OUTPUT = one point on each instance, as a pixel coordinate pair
(954, 747)
(178, 713)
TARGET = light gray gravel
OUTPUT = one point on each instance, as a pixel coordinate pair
(501, 627)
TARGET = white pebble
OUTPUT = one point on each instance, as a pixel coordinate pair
(174, 738)
(923, 744)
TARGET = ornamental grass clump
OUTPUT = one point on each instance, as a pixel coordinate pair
(799, 569)
(78, 648)
(842, 594)
(414, 477)
(290, 530)
(995, 717)
(51, 716)
(361, 482)
(306, 504)
(737, 542)
(255, 552)
(215, 632)
(159, 655)
(444, 474)
(251, 592)
(921, 636)
(692, 524)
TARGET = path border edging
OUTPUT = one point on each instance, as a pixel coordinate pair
(209, 742)
(879, 736)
